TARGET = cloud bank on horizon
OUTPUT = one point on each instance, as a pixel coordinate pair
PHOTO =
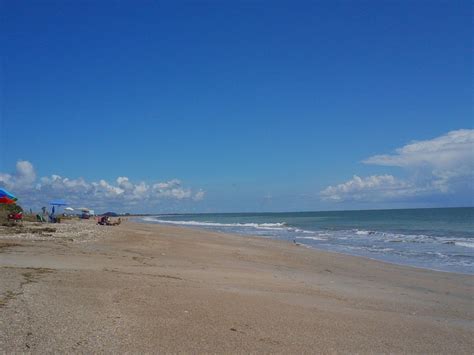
(96, 194)
(440, 166)
(434, 170)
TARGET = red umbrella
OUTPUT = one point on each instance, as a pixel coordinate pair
(6, 200)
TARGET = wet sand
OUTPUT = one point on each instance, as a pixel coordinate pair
(154, 288)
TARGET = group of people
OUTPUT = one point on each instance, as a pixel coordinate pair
(45, 217)
(105, 221)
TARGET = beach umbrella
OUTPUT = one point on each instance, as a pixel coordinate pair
(6, 197)
(7, 201)
(58, 203)
(4, 192)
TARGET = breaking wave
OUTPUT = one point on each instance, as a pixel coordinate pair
(276, 226)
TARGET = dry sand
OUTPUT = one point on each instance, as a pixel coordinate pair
(150, 288)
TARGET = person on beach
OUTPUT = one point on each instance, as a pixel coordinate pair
(45, 213)
(104, 220)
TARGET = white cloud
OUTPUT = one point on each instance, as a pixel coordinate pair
(198, 196)
(124, 183)
(375, 187)
(23, 177)
(58, 183)
(171, 189)
(443, 165)
(122, 194)
(25, 172)
(451, 153)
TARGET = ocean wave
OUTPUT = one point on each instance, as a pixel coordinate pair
(275, 226)
(297, 230)
(363, 232)
(425, 239)
(282, 229)
(312, 238)
(408, 238)
(465, 244)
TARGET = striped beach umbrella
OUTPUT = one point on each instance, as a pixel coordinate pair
(6, 197)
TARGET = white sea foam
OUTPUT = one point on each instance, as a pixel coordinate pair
(465, 244)
(275, 226)
(312, 238)
(363, 232)
(297, 230)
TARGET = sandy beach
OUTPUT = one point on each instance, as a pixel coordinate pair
(79, 287)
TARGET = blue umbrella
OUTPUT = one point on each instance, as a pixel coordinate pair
(6, 197)
(55, 203)
(58, 203)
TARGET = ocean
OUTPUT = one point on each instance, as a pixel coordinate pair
(438, 238)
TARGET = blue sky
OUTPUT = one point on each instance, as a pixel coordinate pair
(251, 105)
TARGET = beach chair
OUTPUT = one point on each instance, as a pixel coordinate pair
(40, 218)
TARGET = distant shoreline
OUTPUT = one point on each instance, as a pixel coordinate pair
(193, 228)
(433, 239)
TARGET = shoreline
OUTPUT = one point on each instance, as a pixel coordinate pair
(152, 287)
(310, 247)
